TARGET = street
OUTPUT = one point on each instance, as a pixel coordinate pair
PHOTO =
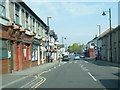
(56, 44)
(83, 73)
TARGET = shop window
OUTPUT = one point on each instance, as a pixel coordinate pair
(2, 8)
(26, 52)
(3, 49)
(35, 53)
(17, 19)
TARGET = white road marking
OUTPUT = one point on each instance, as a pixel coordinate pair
(54, 67)
(81, 66)
(70, 62)
(75, 61)
(49, 69)
(85, 61)
(65, 62)
(85, 69)
(92, 76)
(30, 83)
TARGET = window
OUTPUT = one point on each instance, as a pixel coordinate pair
(26, 20)
(16, 14)
(3, 49)
(35, 53)
(33, 27)
(38, 29)
(23, 18)
(2, 9)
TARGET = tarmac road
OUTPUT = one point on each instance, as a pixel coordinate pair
(81, 74)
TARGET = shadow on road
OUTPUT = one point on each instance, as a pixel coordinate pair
(101, 62)
(111, 83)
(117, 74)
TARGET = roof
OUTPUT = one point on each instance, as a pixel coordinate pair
(105, 32)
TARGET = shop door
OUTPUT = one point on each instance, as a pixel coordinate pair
(11, 61)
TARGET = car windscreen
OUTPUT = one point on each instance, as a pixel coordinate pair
(66, 56)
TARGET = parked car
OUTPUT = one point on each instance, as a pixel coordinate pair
(76, 57)
(82, 56)
(65, 58)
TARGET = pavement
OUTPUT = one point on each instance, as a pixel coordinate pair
(102, 62)
(15, 77)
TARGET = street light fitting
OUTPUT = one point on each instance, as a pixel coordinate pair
(103, 13)
(98, 24)
(49, 17)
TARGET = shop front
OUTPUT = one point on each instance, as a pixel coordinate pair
(27, 50)
(43, 53)
(35, 51)
(11, 47)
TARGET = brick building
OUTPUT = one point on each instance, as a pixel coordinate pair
(23, 37)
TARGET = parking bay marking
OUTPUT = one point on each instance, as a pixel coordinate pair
(92, 76)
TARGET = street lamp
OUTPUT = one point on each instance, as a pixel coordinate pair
(48, 53)
(48, 20)
(109, 11)
(98, 53)
(62, 40)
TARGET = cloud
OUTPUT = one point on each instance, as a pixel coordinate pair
(81, 9)
(72, 0)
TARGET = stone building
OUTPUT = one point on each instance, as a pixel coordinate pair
(104, 39)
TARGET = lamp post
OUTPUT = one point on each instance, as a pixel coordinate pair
(109, 11)
(48, 53)
(98, 52)
(62, 40)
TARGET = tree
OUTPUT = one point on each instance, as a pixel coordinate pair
(76, 48)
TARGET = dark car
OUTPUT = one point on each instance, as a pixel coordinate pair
(65, 58)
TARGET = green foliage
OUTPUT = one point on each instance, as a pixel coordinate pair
(76, 48)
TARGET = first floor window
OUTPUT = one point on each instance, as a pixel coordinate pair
(2, 9)
(17, 13)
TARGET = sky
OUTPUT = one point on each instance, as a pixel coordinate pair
(74, 19)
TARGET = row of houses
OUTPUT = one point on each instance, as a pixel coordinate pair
(25, 40)
(100, 46)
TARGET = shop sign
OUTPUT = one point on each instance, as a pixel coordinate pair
(27, 39)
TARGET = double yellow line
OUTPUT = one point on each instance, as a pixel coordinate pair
(42, 80)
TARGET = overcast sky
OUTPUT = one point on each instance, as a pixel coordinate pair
(77, 21)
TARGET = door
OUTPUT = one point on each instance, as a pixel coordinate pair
(18, 56)
(11, 60)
